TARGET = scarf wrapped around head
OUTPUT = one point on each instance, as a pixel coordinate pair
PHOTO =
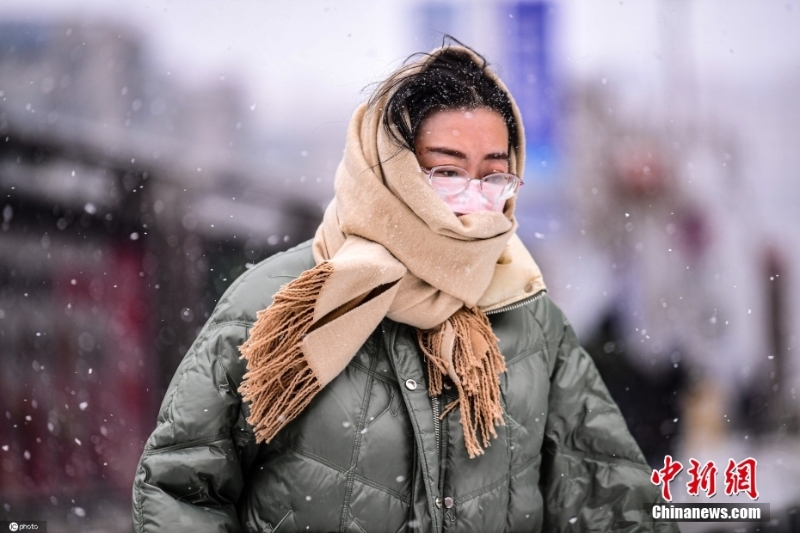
(389, 247)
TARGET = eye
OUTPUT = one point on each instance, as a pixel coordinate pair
(448, 172)
(498, 170)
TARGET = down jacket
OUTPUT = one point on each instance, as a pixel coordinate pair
(370, 454)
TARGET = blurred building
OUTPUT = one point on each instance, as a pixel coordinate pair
(686, 304)
(129, 202)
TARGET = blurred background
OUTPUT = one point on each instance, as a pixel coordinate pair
(151, 152)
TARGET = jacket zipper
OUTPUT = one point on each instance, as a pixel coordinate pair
(437, 430)
(436, 421)
(519, 304)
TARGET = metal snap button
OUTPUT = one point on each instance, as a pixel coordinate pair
(438, 502)
(411, 384)
(448, 502)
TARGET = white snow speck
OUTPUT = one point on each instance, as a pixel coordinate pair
(573, 519)
(78, 441)
(83, 405)
(79, 511)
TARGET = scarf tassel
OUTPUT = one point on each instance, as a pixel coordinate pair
(279, 382)
(478, 363)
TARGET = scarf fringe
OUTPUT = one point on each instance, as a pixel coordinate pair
(279, 382)
(478, 363)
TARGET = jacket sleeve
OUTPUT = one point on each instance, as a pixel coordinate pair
(190, 475)
(594, 476)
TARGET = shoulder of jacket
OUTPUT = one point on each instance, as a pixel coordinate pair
(253, 291)
(550, 318)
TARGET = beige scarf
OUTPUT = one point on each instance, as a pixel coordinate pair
(389, 247)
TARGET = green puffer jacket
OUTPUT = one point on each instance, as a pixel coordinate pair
(370, 454)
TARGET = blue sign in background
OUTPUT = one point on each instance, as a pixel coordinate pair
(529, 75)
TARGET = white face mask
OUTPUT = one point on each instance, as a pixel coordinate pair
(472, 199)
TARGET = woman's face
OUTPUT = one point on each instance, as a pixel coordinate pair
(475, 140)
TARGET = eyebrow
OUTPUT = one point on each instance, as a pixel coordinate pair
(501, 156)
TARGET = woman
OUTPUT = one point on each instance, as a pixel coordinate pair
(405, 370)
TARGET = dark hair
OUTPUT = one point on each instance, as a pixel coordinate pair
(451, 81)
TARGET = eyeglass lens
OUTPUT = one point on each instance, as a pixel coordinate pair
(454, 180)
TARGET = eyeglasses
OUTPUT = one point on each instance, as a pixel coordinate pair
(450, 180)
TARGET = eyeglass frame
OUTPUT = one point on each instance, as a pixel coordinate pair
(519, 182)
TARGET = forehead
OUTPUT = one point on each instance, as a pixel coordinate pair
(465, 127)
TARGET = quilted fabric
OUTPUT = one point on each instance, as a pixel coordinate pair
(369, 455)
